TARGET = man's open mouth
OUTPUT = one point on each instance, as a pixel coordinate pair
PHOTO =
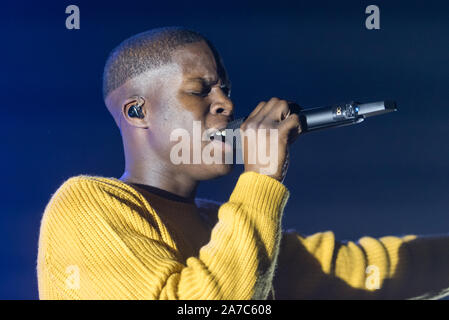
(217, 134)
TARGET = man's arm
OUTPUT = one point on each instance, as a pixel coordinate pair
(94, 244)
(401, 267)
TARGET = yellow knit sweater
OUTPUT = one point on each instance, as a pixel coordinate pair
(103, 239)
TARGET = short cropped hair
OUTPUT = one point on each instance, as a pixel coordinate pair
(145, 51)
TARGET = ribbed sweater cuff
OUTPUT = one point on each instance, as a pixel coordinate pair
(260, 192)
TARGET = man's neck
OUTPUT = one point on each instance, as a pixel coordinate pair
(168, 182)
(164, 194)
(144, 167)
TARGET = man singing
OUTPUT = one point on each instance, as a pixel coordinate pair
(146, 235)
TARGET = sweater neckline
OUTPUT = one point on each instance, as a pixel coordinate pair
(164, 193)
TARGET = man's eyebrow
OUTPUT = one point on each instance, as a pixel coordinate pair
(204, 80)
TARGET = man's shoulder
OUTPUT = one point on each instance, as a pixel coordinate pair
(84, 191)
(85, 179)
(92, 184)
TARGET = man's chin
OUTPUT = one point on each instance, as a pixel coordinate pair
(214, 171)
(226, 169)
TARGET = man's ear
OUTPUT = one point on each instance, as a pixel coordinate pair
(134, 111)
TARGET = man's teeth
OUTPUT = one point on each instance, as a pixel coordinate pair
(221, 133)
(218, 134)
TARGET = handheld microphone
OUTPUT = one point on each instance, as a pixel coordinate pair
(313, 119)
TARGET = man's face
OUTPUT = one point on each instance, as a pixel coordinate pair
(196, 92)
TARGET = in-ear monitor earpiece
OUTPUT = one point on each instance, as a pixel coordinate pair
(135, 111)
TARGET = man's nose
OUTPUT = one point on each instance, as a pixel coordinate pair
(222, 105)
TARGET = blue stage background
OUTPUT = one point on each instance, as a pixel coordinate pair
(386, 176)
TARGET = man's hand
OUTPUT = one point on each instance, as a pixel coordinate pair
(274, 114)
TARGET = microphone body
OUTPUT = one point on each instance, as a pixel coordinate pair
(314, 119)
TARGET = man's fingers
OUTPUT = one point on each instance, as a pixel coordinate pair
(266, 109)
(290, 127)
(275, 110)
